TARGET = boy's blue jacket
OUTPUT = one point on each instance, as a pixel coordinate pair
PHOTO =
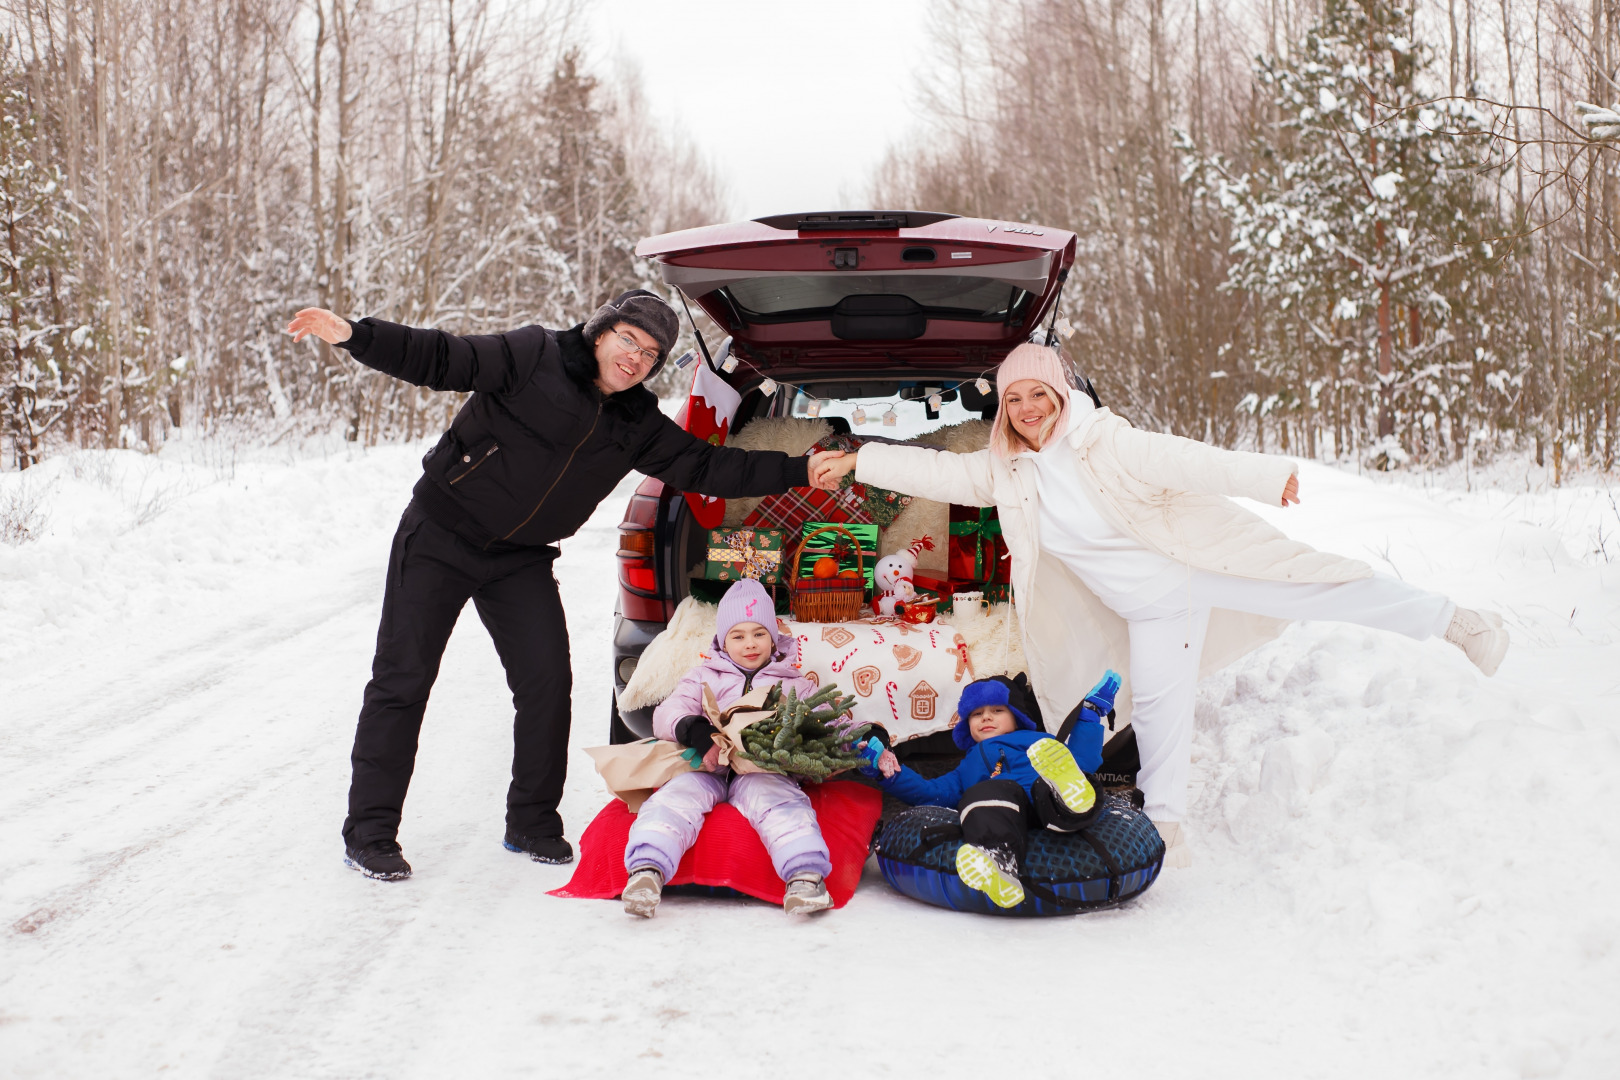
(1005, 757)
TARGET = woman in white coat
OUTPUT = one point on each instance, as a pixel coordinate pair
(1127, 553)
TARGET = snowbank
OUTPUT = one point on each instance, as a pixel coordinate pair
(1399, 866)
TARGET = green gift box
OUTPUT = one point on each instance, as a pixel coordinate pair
(746, 551)
(834, 543)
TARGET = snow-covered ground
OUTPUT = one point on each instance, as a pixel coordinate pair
(1401, 869)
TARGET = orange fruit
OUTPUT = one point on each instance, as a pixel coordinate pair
(849, 573)
(826, 567)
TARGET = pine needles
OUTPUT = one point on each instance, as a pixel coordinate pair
(808, 737)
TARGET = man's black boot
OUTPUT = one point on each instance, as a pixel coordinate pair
(547, 849)
(380, 859)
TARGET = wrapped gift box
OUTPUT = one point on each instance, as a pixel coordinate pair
(794, 509)
(744, 552)
(836, 544)
(977, 551)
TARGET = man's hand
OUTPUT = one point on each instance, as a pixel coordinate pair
(329, 327)
(1291, 491)
(829, 467)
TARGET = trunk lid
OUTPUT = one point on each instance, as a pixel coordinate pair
(809, 291)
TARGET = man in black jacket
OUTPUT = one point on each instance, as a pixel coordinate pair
(556, 419)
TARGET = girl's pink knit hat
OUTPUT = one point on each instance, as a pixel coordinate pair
(1028, 361)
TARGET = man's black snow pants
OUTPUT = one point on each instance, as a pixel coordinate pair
(431, 575)
(997, 815)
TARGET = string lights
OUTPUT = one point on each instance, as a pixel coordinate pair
(858, 416)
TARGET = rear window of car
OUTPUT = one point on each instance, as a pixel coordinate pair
(938, 294)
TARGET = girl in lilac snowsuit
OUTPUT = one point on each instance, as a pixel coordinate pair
(747, 652)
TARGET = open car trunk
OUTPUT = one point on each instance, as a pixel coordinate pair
(901, 289)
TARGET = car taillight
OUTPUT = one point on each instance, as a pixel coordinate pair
(638, 573)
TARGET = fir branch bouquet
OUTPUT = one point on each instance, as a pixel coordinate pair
(809, 737)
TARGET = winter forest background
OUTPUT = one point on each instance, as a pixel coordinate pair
(1346, 230)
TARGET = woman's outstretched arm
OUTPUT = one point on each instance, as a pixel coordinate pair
(1170, 461)
(915, 470)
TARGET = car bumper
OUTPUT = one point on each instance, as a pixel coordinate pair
(630, 639)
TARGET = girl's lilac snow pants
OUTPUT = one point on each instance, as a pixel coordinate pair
(778, 810)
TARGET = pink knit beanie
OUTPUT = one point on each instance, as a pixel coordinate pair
(747, 601)
(1028, 361)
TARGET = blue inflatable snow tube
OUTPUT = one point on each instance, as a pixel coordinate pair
(1112, 860)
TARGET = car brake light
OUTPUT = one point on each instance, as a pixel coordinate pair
(638, 574)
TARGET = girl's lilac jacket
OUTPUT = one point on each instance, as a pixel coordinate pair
(729, 682)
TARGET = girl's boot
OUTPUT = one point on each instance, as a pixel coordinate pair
(643, 891)
(806, 895)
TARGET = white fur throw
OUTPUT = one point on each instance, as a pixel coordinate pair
(923, 517)
(992, 640)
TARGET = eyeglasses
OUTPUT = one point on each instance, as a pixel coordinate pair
(631, 349)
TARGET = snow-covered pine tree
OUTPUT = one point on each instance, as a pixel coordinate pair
(39, 377)
(591, 199)
(1357, 223)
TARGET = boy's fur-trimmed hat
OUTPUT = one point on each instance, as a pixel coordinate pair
(643, 310)
(976, 695)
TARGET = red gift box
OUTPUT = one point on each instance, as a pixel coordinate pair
(977, 551)
(790, 511)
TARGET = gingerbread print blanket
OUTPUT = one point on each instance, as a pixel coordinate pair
(904, 677)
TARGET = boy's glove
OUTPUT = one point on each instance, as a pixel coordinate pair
(881, 760)
(695, 732)
(1101, 698)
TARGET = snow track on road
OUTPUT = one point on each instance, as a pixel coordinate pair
(1401, 869)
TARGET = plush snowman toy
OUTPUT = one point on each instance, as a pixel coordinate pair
(892, 578)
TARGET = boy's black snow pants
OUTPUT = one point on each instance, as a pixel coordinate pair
(998, 814)
(431, 575)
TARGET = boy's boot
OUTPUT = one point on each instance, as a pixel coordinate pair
(380, 859)
(1056, 767)
(991, 873)
(643, 891)
(1481, 637)
(546, 849)
(806, 895)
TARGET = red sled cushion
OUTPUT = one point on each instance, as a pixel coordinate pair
(728, 852)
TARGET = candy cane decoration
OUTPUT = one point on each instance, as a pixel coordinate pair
(890, 687)
(877, 637)
(838, 665)
(933, 639)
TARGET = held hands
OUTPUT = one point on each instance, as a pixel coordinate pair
(829, 467)
(1291, 491)
(328, 326)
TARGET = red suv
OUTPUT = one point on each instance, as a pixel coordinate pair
(847, 313)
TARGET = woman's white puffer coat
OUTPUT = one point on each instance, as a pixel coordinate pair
(1169, 493)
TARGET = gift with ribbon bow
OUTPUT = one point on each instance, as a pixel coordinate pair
(744, 552)
(977, 551)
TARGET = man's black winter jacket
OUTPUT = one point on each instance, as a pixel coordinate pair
(537, 446)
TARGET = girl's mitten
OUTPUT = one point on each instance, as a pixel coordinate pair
(696, 732)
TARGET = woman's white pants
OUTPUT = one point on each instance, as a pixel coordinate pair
(1167, 638)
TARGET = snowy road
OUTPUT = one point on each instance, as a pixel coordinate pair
(1399, 867)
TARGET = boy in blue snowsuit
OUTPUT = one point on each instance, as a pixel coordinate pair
(1013, 778)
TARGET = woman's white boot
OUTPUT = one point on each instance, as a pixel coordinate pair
(1481, 637)
(1177, 855)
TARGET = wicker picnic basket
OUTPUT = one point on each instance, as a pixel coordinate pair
(834, 599)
